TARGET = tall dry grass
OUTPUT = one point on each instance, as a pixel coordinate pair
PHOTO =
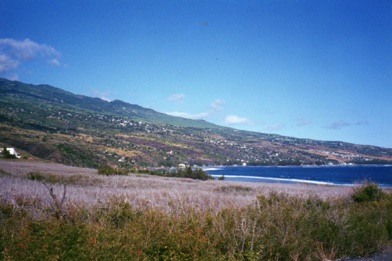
(141, 217)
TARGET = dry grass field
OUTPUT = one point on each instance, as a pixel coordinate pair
(51, 211)
(84, 186)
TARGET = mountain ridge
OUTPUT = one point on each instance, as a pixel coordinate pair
(50, 123)
(92, 103)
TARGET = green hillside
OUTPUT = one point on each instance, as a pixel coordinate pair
(45, 122)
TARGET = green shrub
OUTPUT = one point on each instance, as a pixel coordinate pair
(107, 170)
(63, 179)
(367, 193)
(35, 175)
(194, 173)
(4, 173)
(234, 189)
(46, 177)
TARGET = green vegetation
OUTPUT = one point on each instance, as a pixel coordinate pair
(50, 178)
(35, 175)
(108, 170)
(233, 189)
(188, 172)
(275, 227)
(368, 193)
(74, 154)
(4, 173)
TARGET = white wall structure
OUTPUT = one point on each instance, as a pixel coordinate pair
(12, 151)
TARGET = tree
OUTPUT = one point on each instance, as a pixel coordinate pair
(193, 174)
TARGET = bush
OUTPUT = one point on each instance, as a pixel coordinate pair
(367, 193)
(35, 175)
(194, 174)
(4, 173)
(46, 177)
(107, 170)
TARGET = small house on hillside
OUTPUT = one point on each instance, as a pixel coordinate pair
(181, 166)
(10, 151)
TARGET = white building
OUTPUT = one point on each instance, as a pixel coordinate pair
(181, 166)
(12, 151)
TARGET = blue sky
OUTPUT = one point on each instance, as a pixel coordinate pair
(307, 69)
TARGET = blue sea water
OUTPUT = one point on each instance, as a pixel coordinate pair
(323, 175)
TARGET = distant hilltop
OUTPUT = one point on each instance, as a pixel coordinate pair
(49, 123)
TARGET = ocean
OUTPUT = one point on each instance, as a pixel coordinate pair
(322, 175)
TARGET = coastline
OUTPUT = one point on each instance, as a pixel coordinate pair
(337, 175)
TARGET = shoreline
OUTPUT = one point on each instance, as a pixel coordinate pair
(343, 176)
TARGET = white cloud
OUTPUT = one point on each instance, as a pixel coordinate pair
(234, 119)
(274, 127)
(7, 63)
(361, 123)
(303, 122)
(337, 125)
(218, 105)
(13, 77)
(14, 52)
(177, 97)
(27, 49)
(196, 116)
(215, 106)
(102, 95)
(54, 62)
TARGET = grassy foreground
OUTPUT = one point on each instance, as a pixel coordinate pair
(272, 226)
